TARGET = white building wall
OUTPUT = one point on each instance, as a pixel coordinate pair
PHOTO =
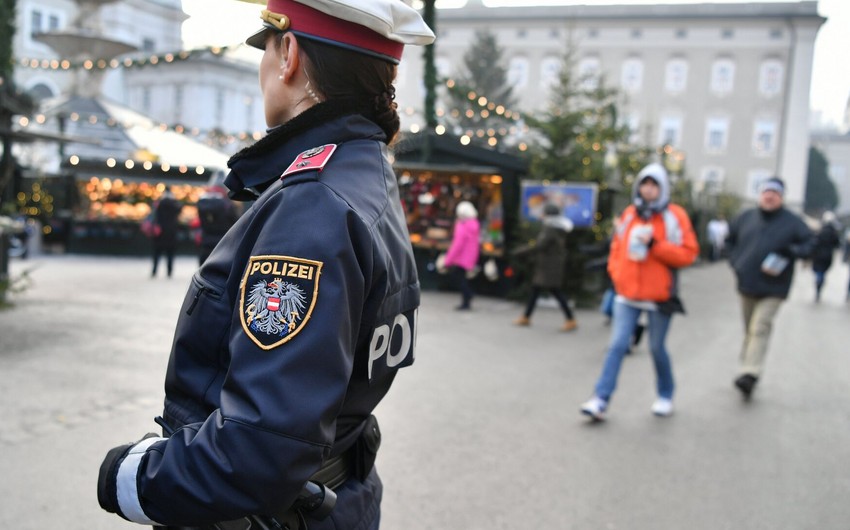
(747, 36)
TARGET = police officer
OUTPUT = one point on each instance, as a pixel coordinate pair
(296, 325)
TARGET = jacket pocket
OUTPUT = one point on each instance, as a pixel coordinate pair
(200, 289)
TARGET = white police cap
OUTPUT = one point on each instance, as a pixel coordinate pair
(379, 28)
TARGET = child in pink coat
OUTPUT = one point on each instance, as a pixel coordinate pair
(462, 255)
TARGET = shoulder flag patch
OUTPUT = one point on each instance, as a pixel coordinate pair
(315, 158)
(277, 297)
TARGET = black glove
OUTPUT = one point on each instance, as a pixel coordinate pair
(107, 489)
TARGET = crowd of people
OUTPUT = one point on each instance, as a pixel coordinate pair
(303, 311)
(653, 240)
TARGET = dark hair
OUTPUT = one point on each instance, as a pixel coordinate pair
(340, 74)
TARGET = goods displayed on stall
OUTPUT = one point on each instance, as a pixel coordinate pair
(429, 199)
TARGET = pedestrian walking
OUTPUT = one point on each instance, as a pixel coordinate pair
(653, 239)
(166, 216)
(216, 214)
(549, 252)
(462, 256)
(763, 244)
(296, 325)
(827, 240)
(717, 230)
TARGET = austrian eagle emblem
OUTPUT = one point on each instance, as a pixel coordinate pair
(278, 296)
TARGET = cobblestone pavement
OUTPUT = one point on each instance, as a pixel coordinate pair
(483, 432)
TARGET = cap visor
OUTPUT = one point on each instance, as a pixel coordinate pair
(258, 39)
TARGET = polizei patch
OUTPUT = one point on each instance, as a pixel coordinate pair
(277, 298)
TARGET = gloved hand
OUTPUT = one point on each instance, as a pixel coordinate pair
(107, 488)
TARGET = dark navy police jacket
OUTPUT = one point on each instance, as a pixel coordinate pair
(291, 332)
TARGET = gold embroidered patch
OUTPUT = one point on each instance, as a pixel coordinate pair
(278, 294)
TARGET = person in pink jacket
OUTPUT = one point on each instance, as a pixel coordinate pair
(462, 255)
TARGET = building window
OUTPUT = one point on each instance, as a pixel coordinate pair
(676, 75)
(554, 33)
(550, 72)
(35, 23)
(670, 131)
(711, 179)
(770, 78)
(249, 113)
(588, 73)
(146, 100)
(722, 76)
(592, 33)
(716, 134)
(219, 107)
(776, 33)
(148, 44)
(637, 33)
(681, 33)
(443, 66)
(53, 22)
(632, 75)
(632, 122)
(727, 33)
(178, 104)
(518, 72)
(521, 33)
(764, 137)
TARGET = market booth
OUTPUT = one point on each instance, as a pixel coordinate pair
(121, 172)
(436, 172)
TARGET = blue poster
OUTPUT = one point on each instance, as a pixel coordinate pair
(576, 199)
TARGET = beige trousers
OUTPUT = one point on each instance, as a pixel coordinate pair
(758, 323)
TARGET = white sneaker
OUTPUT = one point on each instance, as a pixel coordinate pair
(662, 407)
(595, 408)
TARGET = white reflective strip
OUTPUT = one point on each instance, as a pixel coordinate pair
(128, 493)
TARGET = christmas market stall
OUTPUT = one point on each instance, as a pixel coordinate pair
(120, 176)
(435, 173)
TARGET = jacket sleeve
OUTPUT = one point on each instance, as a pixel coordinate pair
(615, 252)
(277, 419)
(677, 255)
(803, 244)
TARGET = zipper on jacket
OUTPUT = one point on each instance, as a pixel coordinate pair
(202, 290)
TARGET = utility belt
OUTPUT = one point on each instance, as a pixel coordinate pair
(317, 499)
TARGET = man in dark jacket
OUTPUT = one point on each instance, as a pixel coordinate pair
(167, 215)
(826, 241)
(763, 244)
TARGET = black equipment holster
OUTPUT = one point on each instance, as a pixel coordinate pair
(317, 498)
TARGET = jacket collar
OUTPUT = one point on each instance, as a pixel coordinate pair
(256, 167)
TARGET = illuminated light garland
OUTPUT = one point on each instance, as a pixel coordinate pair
(129, 62)
(221, 138)
(487, 106)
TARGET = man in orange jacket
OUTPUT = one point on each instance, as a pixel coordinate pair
(652, 240)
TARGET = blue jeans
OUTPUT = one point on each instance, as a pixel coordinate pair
(622, 328)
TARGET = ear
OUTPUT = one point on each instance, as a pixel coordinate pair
(290, 60)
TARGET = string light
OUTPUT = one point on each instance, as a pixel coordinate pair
(129, 62)
(214, 136)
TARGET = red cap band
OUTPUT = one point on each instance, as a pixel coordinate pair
(312, 22)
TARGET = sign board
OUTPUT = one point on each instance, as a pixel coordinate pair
(576, 199)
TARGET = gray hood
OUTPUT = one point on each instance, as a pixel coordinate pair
(659, 175)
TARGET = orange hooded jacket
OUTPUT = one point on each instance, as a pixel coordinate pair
(674, 246)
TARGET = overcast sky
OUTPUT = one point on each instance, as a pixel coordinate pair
(219, 22)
